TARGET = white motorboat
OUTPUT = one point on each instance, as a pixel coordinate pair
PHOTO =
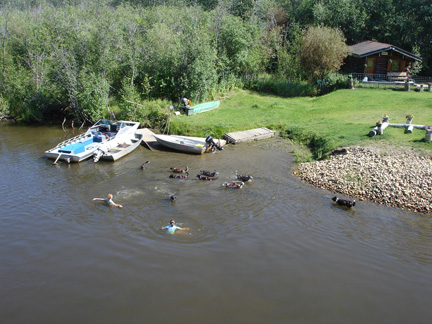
(114, 152)
(182, 144)
(187, 144)
(105, 133)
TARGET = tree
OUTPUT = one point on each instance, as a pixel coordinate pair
(347, 15)
(322, 51)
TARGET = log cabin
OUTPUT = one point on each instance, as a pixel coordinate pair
(380, 60)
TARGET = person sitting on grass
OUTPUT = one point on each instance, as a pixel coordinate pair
(109, 201)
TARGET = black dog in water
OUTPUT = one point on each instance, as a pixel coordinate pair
(344, 202)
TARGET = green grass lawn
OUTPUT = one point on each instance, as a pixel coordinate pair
(343, 117)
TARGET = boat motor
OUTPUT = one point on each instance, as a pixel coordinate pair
(209, 140)
(97, 155)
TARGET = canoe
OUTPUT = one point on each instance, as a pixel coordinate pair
(206, 106)
(104, 133)
(182, 144)
(123, 148)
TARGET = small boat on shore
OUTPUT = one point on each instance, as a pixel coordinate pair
(184, 144)
(104, 134)
(205, 106)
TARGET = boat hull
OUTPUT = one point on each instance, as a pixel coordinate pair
(105, 133)
(206, 106)
(182, 144)
(77, 149)
(123, 149)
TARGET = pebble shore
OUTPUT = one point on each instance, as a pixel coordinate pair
(400, 179)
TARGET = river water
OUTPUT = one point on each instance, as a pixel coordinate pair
(275, 251)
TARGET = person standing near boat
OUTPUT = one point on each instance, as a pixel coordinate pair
(186, 102)
(109, 201)
(172, 227)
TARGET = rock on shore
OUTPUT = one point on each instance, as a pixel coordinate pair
(397, 179)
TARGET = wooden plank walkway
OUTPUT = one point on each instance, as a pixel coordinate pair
(148, 139)
(249, 135)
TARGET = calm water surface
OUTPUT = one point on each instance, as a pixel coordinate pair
(276, 251)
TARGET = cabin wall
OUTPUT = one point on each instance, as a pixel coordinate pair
(393, 61)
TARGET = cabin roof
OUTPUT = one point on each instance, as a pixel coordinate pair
(368, 48)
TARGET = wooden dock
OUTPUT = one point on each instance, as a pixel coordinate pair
(148, 139)
(249, 135)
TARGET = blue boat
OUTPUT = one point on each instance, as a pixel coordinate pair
(102, 136)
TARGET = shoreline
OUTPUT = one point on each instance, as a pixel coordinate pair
(392, 177)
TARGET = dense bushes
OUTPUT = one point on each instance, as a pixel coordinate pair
(282, 87)
(74, 60)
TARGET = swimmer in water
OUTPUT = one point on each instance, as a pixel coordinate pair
(109, 201)
(172, 227)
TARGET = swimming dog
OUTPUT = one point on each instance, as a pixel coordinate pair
(343, 202)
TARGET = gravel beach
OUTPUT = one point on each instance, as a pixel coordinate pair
(394, 178)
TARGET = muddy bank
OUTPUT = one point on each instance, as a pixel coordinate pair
(394, 178)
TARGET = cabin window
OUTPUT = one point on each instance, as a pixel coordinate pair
(370, 63)
(395, 64)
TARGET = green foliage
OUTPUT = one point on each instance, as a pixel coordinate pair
(4, 106)
(322, 52)
(318, 144)
(234, 44)
(93, 96)
(347, 15)
(333, 82)
(158, 115)
(68, 58)
(130, 105)
(283, 87)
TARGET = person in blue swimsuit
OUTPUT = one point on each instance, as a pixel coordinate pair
(172, 227)
(109, 201)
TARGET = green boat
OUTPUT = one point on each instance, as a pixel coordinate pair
(206, 106)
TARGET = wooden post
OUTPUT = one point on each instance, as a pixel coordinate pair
(407, 85)
(383, 126)
(410, 126)
(379, 129)
(409, 129)
(350, 82)
(428, 136)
